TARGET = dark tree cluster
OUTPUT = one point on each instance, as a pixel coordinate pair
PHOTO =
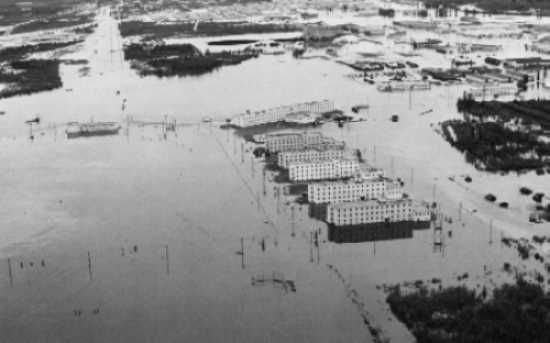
(515, 313)
(30, 76)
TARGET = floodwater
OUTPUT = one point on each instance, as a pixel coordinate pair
(137, 237)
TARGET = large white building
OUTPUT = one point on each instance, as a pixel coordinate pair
(375, 211)
(300, 141)
(276, 114)
(354, 190)
(323, 170)
(284, 158)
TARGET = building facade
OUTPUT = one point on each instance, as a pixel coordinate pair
(354, 190)
(276, 114)
(324, 170)
(375, 211)
(301, 141)
(284, 158)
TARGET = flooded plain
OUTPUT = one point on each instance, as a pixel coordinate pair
(147, 237)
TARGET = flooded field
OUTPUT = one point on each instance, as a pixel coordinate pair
(147, 237)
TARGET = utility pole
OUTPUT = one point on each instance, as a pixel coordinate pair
(410, 97)
(242, 152)
(10, 272)
(317, 246)
(167, 259)
(278, 195)
(490, 232)
(264, 190)
(292, 221)
(311, 247)
(242, 252)
(89, 266)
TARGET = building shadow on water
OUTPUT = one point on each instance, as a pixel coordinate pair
(374, 232)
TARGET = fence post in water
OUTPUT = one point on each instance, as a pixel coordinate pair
(167, 260)
(10, 272)
(460, 212)
(90, 266)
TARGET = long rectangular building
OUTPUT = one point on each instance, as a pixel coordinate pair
(276, 114)
(301, 141)
(375, 211)
(354, 190)
(324, 170)
(284, 158)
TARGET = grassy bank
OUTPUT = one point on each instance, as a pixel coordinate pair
(514, 313)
